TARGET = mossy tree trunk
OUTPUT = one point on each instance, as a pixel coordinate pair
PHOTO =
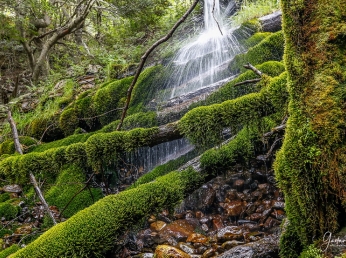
(311, 166)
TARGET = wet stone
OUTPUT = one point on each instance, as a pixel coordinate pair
(230, 233)
(209, 253)
(239, 184)
(217, 222)
(278, 205)
(157, 225)
(179, 229)
(187, 248)
(166, 251)
(12, 189)
(197, 238)
(234, 208)
(230, 244)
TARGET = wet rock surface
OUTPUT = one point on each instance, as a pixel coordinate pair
(234, 215)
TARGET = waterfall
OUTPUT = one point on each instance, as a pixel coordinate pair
(203, 62)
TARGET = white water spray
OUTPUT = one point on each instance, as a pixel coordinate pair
(203, 62)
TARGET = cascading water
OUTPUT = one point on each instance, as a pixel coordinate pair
(203, 62)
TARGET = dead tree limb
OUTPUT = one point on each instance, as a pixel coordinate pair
(85, 186)
(14, 133)
(254, 69)
(275, 130)
(218, 25)
(248, 82)
(145, 56)
(31, 175)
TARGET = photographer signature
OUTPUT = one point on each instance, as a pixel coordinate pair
(329, 241)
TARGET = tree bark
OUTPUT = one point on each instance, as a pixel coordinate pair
(145, 56)
(31, 175)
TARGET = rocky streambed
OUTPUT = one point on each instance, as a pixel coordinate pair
(236, 214)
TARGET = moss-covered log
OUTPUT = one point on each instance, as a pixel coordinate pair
(93, 231)
(311, 165)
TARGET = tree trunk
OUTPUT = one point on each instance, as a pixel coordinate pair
(31, 175)
(311, 166)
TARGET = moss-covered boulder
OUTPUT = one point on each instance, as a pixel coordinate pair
(94, 230)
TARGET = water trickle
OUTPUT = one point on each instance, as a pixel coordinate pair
(203, 61)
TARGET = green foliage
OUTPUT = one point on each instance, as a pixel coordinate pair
(7, 147)
(68, 183)
(239, 149)
(8, 211)
(68, 121)
(97, 149)
(311, 252)
(9, 250)
(256, 39)
(93, 231)
(4, 197)
(251, 9)
(269, 49)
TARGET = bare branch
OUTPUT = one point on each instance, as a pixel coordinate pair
(254, 69)
(217, 23)
(248, 82)
(145, 56)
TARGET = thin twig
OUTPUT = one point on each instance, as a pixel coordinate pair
(40, 141)
(33, 233)
(145, 56)
(218, 25)
(248, 82)
(89, 118)
(85, 186)
(13, 220)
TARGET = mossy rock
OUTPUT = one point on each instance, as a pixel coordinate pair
(69, 182)
(8, 211)
(7, 147)
(269, 49)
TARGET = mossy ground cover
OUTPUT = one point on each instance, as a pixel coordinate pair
(93, 231)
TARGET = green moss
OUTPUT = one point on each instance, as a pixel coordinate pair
(247, 29)
(108, 98)
(229, 91)
(145, 88)
(75, 138)
(256, 38)
(7, 147)
(137, 120)
(311, 252)
(269, 49)
(239, 149)
(68, 121)
(68, 183)
(93, 231)
(310, 167)
(4, 197)
(9, 250)
(8, 211)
